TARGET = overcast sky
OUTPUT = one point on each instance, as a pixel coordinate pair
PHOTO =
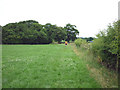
(90, 16)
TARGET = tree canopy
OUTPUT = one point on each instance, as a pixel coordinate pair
(31, 32)
(71, 32)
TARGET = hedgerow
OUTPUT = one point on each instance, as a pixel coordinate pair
(105, 46)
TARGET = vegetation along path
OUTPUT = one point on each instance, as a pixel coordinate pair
(44, 66)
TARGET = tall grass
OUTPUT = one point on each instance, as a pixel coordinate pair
(106, 77)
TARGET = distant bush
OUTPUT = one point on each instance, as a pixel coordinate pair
(79, 42)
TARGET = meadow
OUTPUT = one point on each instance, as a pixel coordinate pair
(44, 66)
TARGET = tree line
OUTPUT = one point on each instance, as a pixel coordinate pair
(88, 39)
(31, 32)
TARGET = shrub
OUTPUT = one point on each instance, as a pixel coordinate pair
(79, 42)
(106, 45)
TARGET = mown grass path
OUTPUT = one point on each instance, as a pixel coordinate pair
(44, 66)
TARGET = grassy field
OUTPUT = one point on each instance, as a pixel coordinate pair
(44, 66)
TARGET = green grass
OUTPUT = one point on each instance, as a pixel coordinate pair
(44, 66)
(106, 77)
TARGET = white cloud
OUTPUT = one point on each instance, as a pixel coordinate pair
(88, 15)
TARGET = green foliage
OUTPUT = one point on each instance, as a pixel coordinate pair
(31, 32)
(71, 32)
(60, 34)
(88, 39)
(79, 42)
(106, 45)
(97, 45)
